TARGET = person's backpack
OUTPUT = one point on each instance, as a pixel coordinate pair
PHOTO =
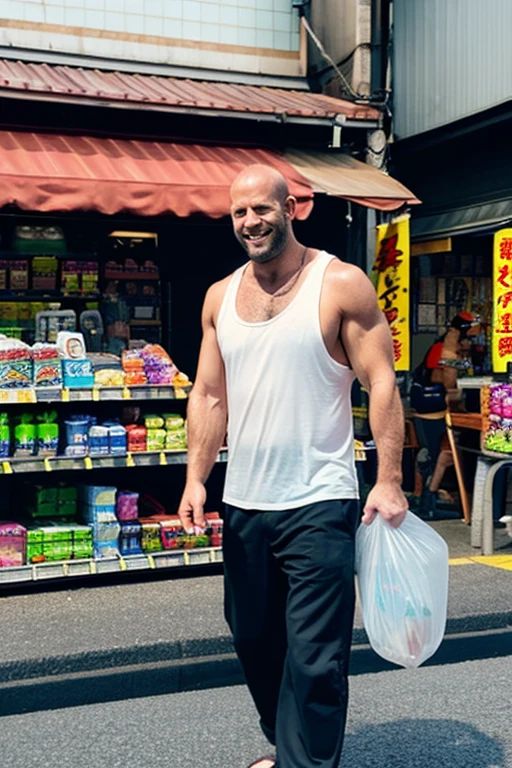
(425, 396)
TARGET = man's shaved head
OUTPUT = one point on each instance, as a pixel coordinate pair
(261, 178)
(262, 209)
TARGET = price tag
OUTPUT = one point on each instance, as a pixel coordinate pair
(65, 395)
(7, 467)
(88, 462)
(26, 396)
(180, 393)
(162, 459)
(127, 393)
(129, 460)
(151, 561)
(122, 563)
(47, 465)
(17, 396)
(95, 394)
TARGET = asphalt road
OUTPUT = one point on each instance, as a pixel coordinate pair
(453, 716)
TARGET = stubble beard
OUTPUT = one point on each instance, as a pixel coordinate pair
(275, 248)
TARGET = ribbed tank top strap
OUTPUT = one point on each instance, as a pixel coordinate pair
(308, 300)
(227, 308)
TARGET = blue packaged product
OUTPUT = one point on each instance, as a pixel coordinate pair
(97, 495)
(117, 439)
(77, 373)
(77, 438)
(98, 441)
(130, 539)
(99, 514)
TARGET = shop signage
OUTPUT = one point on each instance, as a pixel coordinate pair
(391, 277)
(502, 301)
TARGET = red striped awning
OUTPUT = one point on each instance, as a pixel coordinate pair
(47, 172)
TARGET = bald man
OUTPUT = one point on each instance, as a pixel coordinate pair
(283, 338)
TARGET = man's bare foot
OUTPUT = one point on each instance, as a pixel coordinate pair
(264, 762)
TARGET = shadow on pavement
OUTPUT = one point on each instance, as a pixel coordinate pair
(422, 744)
(117, 683)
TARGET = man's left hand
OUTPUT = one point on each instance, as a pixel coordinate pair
(387, 500)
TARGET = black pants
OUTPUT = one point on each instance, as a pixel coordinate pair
(289, 600)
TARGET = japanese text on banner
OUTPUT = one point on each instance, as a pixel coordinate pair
(502, 300)
(391, 277)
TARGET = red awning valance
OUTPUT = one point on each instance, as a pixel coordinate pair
(46, 172)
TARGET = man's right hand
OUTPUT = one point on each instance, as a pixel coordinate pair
(191, 509)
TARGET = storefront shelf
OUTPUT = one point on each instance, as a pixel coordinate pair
(48, 295)
(79, 568)
(54, 395)
(109, 275)
(70, 463)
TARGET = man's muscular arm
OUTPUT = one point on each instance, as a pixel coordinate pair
(367, 340)
(206, 416)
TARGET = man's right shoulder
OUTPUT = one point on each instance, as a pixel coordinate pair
(214, 298)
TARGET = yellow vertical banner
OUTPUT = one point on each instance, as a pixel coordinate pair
(502, 301)
(391, 277)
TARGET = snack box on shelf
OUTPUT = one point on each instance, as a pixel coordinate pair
(51, 543)
(130, 538)
(48, 502)
(151, 539)
(13, 540)
(48, 373)
(99, 514)
(77, 374)
(106, 539)
(97, 495)
(16, 374)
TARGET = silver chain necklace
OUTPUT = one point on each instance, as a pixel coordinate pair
(294, 278)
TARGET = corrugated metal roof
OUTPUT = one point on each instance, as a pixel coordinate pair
(92, 84)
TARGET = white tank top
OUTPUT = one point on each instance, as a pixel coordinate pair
(290, 435)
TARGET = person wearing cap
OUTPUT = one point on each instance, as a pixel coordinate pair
(445, 359)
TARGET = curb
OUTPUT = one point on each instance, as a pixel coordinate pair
(79, 688)
(188, 651)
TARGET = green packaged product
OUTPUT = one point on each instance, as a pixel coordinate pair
(44, 495)
(67, 509)
(173, 421)
(43, 510)
(152, 421)
(25, 436)
(67, 493)
(5, 435)
(35, 549)
(47, 434)
(176, 440)
(155, 439)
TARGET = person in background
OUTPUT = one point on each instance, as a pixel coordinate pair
(283, 338)
(444, 361)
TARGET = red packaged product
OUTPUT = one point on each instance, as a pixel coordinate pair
(137, 438)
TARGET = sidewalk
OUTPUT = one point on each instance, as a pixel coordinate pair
(89, 627)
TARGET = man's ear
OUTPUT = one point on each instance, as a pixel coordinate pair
(290, 207)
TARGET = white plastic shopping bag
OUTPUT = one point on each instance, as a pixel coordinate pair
(403, 587)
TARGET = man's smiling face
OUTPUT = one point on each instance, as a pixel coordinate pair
(259, 221)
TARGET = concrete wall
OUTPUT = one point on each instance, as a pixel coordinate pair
(343, 26)
(258, 36)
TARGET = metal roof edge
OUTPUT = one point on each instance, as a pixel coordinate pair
(36, 56)
(273, 117)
